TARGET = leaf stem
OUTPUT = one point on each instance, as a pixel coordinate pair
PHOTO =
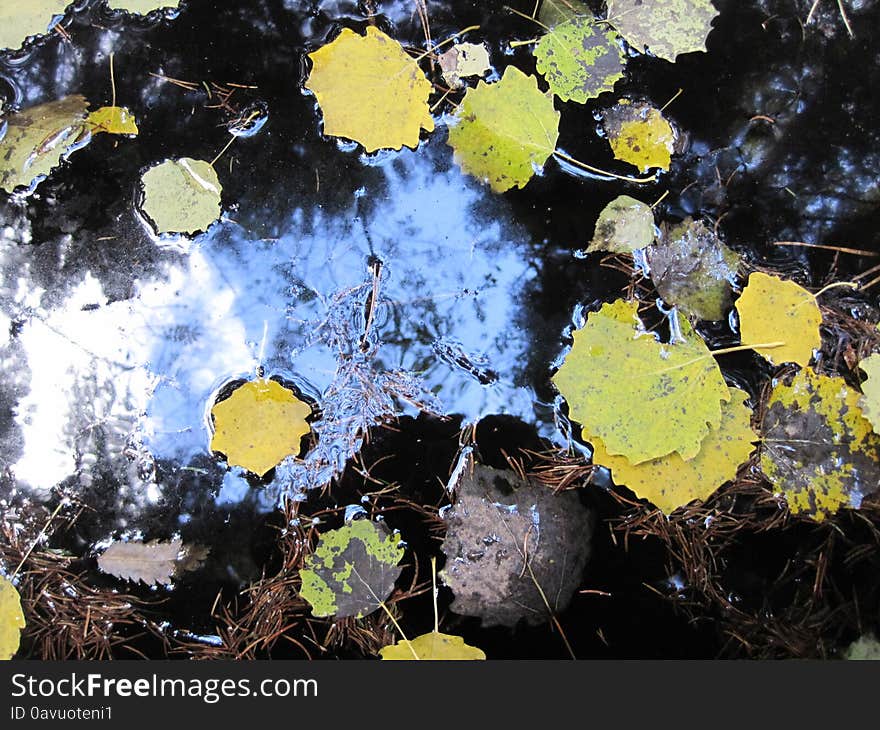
(112, 83)
(598, 171)
(835, 285)
(225, 147)
(527, 17)
(387, 610)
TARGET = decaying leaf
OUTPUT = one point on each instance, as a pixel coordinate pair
(113, 120)
(667, 28)
(37, 139)
(153, 563)
(142, 7)
(21, 19)
(497, 520)
(644, 399)
(579, 59)
(864, 648)
(432, 646)
(11, 619)
(352, 570)
(464, 60)
(692, 269)
(776, 310)
(554, 12)
(504, 131)
(818, 448)
(624, 226)
(181, 196)
(640, 135)
(370, 90)
(870, 400)
(259, 425)
(671, 482)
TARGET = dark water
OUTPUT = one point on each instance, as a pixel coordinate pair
(118, 341)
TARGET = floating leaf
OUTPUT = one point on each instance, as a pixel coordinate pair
(11, 619)
(775, 310)
(370, 90)
(864, 648)
(113, 120)
(624, 226)
(818, 448)
(352, 570)
(639, 134)
(259, 425)
(153, 562)
(621, 382)
(463, 60)
(579, 60)
(692, 269)
(433, 645)
(181, 196)
(505, 131)
(495, 519)
(142, 7)
(37, 139)
(671, 482)
(870, 400)
(21, 19)
(554, 12)
(667, 28)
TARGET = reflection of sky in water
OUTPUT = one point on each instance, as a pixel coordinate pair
(129, 382)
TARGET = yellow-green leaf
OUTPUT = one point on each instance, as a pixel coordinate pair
(671, 482)
(643, 398)
(554, 12)
(113, 120)
(818, 448)
(870, 400)
(142, 7)
(776, 310)
(464, 60)
(504, 131)
(259, 425)
(579, 59)
(181, 196)
(864, 648)
(370, 90)
(37, 139)
(11, 619)
(432, 646)
(21, 19)
(624, 226)
(667, 28)
(640, 135)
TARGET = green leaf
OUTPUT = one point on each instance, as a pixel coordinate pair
(432, 646)
(11, 619)
(21, 19)
(624, 226)
(643, 398)
(503, 131)
(870, 400)
(352, 570)
(640, 135)
(579, 60)
(693, 270)
(181, 196)
(864, 648)
(818, 448)
(554, 12)
(667, 27)
(142, 7)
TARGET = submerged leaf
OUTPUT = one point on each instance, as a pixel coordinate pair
(693, 270)
(21, 19)
(640, 135)
(37, 139)
(643, 398)
(432, 646)
(776, 310)
(624, 226)
(11, 619)
(259, 425)
(870, 400)
(667, 27)
(864, 648)
(579, 60)
(113, 120)
(142, 7)
(671, 482)
(153, 562)
(463, 60)
(370, 90)
(181, 196)
(504, 131)
(554, 12)
(352, 570)
(818, 448)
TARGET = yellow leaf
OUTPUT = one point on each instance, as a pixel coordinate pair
(432, 646)
(671, 482)
(260, 424)
(370, 90)
(773, 310)
(26, 18)
(112, 120)
(870, 400)
(181, 195)
(11, 619)
(640, 135)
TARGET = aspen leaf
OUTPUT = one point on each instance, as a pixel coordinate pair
(579, 59)
(142, 7)
(113, 120)
(865, 648)
(870, 400)
(667, 28)
(643, 398)
(181, 196)
(640, 135)
(259, 425)
(463, 60)
(554, 12)
(21, 19)
(504, 131)
(776, 310)
(624, 226)
(352, 570)
(432, 646)
(670, 482)
(370, 90)
(11, 619)
(818, 449)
